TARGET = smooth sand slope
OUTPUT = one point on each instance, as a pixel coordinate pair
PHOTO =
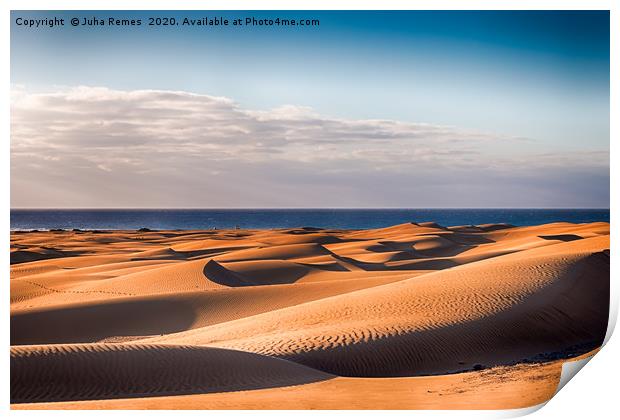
(181, 319)
(500, 387)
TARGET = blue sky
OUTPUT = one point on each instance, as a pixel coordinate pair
(526, 90)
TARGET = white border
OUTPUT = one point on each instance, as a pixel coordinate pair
(593, 395)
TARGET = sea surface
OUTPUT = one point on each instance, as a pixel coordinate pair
(22, 219)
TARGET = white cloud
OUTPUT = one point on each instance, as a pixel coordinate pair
(95, 146)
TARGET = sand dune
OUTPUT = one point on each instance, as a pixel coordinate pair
(134, 317)
(276, 252)
(328, 314)
(439, 322)
(99, 371)
(517, 386)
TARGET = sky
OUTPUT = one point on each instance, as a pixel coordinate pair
(414, 109)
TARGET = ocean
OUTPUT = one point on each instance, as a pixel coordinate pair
(107, 219)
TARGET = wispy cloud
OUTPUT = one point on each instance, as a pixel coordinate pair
(92, 146)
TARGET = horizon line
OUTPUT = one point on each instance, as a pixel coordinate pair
(310, 208)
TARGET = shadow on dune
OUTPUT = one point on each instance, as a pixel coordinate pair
(491, 227)
(171, 254)
(466, 239)
(88, 372)
(427, 264)
(259, 276)
(47, 253)
(437, 255)
(303, 230)
(96, 321)
(564, 238)
(217, 273)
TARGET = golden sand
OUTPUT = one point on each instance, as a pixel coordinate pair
(413, 316)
